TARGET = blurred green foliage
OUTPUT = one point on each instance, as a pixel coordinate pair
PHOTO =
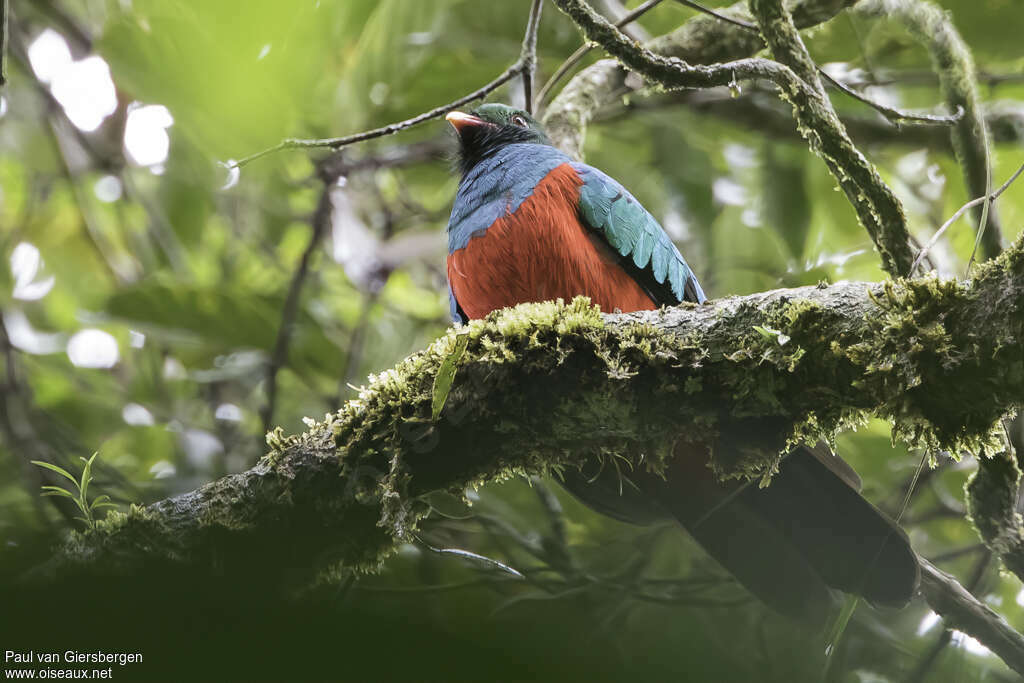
(188, 271)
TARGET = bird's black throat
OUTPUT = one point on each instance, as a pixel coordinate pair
(478, 142)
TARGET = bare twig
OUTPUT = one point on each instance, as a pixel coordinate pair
(960, 212)
(581, 52)
(746, 25)
(528, 56)
(321, 219)
(895, 115)
(525, 62)
(4, 10)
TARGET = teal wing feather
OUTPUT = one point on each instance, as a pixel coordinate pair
(608, 208)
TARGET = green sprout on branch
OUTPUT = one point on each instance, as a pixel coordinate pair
(82, 498)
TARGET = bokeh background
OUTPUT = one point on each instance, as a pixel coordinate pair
(143, 286)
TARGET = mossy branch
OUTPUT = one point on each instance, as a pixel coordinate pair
(544, 386)
(876, 206)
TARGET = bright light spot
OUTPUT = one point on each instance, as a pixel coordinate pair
(675, 223)
(728, 191)
(927, 623)
(25, 265)
(138, 415)
(84, 88)
(234, 173)
(24, 337)
(86, 92)
(93, 349)
(839, 260)
(379, 93)
(751, 217)
(49, 55)
(408, 550)
(264, 51)
(913, 165)
(970, 644)
(420, 38)
(739, 156)
(107, 189)
(162, 470)
(1020, 597)
(229, 412)
(200, 446)
(3, 105)
(173, 369)
(145, 133)
(136, 339)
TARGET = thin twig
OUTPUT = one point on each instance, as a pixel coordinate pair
(321, 219)
(718, 15)
(960, 212)
(390, 129)
(581, 52)
(4, 11)
(528, 56)
(525, 62)
(895, 115)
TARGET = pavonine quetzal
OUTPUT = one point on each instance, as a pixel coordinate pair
(531, 224)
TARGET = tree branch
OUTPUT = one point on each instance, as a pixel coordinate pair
(952, 62)
(962, 611)
(523, 66)
(702, 40)
(877, 207)
(993, 494)
(942, 360)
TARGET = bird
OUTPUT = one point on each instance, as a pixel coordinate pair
(531, 224)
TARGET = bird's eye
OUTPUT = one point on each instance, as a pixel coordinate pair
(520, 120)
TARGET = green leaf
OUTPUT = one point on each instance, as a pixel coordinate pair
(55, 468)
(837, 630)
(769, 333)
(56, 491)
(446, 375)
(102, 501)
(86, 477)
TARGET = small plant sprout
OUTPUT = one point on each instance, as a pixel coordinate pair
(82, 498)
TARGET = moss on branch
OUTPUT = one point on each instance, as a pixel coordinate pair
(544, 386)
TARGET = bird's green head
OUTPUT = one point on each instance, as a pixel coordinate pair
(488, 128)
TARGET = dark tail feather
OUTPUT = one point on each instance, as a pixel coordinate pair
(852, 545)
(788, 543)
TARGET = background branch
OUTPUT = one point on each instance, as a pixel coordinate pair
(877, 207)
(952, 62)
(523, 66)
